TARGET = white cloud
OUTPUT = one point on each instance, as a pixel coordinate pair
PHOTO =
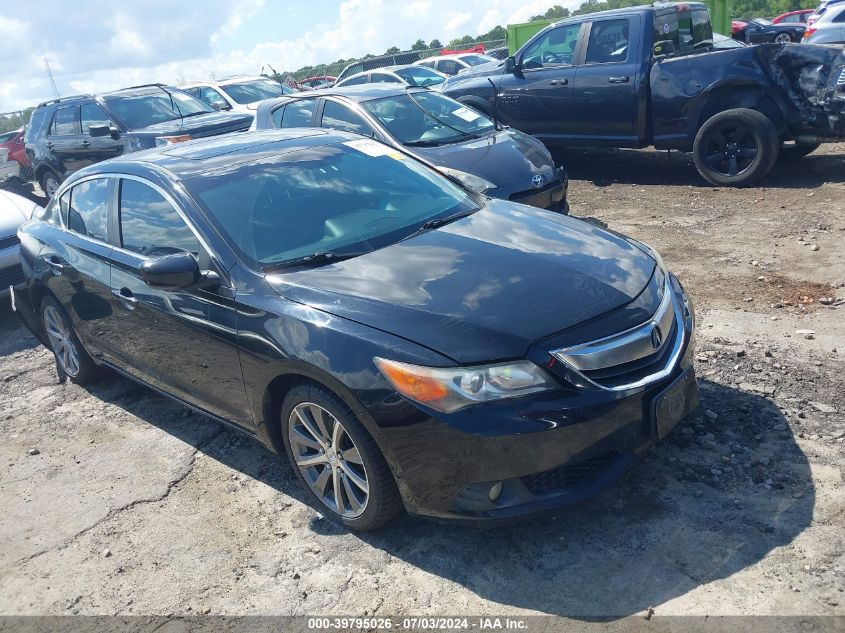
(91, 48)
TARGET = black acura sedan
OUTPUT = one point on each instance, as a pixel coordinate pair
(462, 142)
(404, 341)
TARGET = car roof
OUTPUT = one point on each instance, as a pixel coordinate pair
(358, 93)
(191, 158)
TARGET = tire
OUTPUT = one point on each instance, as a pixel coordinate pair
(49, 183)
(796, 152)
(65, 344)
(736, 147)
(328, 456)
(783, 38)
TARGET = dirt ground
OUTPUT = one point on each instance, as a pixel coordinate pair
(134, 505)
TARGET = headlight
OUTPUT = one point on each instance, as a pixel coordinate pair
(473, 183)
(448, 389)
(170, 140)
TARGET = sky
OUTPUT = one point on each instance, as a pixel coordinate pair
(98, 45)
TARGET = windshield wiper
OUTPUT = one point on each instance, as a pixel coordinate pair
(436, 223)
(320, 257)
(441, 141)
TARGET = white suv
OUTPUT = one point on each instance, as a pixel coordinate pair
(238, 94)
(828, 28)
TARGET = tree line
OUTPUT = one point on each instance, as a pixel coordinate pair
(741, 9)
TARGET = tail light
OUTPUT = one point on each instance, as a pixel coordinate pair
(808, 32)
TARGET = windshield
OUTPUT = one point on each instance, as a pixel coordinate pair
(349, 197)
(255, 90)
(420, 76)
(427, 118)
(761, 21)
(143, 110)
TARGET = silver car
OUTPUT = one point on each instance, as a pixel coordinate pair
(828, 28)
(14, 211)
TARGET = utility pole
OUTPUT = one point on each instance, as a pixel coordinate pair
(52, 81)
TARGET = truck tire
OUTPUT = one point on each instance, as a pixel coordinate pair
(736, 147)
(795, 152)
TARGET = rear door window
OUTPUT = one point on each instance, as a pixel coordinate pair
(609, 41)
(150, 225)
(377, 78)
(339, 117)
(299, 113)
(64, 122)
(88, 210)
(449, 67)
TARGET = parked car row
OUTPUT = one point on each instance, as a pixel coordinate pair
(823, 25)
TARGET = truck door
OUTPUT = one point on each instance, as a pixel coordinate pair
(606, 92)
(536, 97)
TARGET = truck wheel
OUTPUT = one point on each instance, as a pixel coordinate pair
(736, 147)
(794, 152)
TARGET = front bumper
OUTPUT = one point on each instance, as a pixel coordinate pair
(533, 454)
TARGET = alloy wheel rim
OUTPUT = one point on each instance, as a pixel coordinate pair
(730, 149)
(783, 38)
(328, 460)
(61, 341)
(51, 185)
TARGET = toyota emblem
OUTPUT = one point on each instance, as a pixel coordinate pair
(656, 337)
(537, 181)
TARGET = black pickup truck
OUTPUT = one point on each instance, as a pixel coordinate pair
(650, 76)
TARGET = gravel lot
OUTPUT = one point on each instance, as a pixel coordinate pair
(134, 505)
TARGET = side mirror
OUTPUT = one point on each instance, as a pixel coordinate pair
(663, 48)
(510, 65)
(220, 105)
(104, 130)
(171, 272)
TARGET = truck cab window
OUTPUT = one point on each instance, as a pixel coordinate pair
(609, 42)
(555, 48)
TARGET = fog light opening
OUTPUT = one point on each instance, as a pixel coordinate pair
(495, 491)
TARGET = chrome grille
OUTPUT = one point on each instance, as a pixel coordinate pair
(633, 358)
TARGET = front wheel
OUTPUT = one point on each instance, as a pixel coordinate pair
(49, 183)
(336, 460)
(782, 38)
(736, 147)
(71, 357)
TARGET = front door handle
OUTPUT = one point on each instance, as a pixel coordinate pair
(619, 80)
(559, 82)
(50, 146)
(86, 144)
(55, 267)
(125, 295)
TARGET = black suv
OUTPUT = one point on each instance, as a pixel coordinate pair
(67, 134)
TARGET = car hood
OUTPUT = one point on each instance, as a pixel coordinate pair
(484, 287)
(198, 124)
(14, 211)
(509, 159)
(476, 72)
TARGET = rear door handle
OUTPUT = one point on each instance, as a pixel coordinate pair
(126, 298)
(619, 80)
(55, 266)
(86, 144)
(559, 82)
(50, 146)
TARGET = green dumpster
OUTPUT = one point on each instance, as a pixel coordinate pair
(720, 15)
(518, 34)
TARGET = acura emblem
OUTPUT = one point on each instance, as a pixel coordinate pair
(656, 337)
(537, 181)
